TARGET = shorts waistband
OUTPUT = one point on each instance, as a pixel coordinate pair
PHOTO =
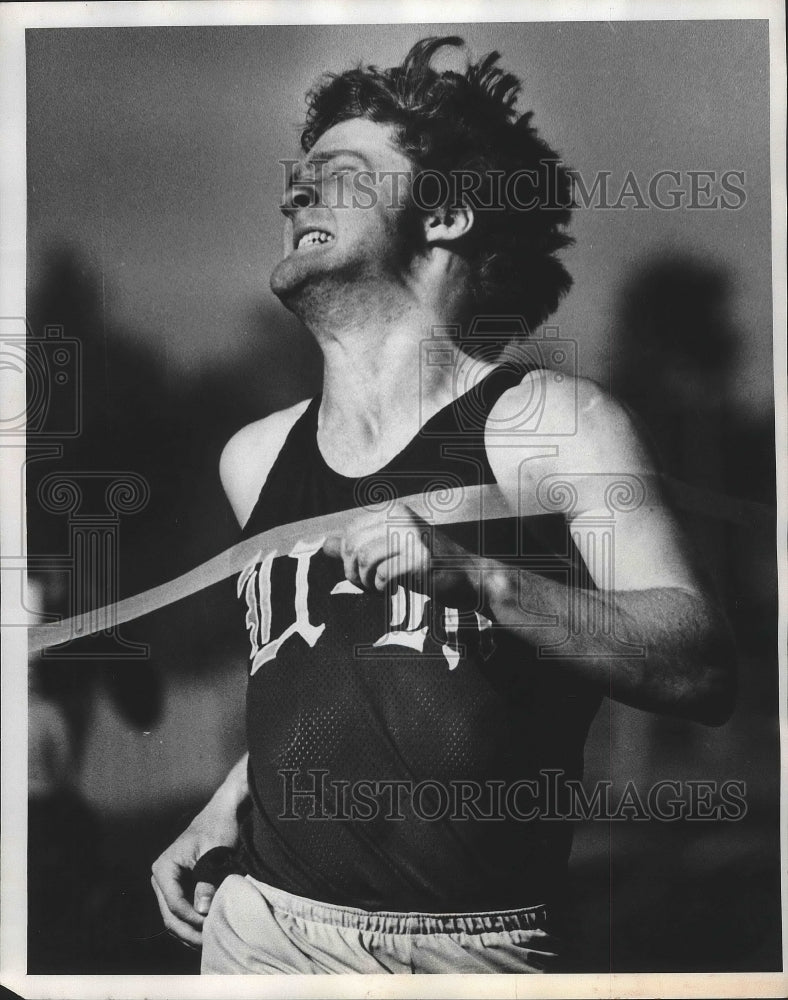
(398, 922)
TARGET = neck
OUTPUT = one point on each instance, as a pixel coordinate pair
(378, 390)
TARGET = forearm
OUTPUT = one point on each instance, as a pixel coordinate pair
(662, 649)
(232, 791)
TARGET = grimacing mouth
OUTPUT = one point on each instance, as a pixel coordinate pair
(313, 238)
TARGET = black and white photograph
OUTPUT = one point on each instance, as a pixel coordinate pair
(393, 491)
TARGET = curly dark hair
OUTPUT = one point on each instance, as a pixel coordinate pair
(448, 123)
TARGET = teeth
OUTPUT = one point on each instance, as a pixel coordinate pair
(314, 238)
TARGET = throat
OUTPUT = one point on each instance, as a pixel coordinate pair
(361, 447)
(375, 403)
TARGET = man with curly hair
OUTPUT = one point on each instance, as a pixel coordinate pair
(419, 696)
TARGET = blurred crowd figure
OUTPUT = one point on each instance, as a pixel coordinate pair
(66, 893)
(65, 896)
(675, 360)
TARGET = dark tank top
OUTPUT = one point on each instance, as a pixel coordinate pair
(403, 755)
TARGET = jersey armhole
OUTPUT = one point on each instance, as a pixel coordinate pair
(258, 448)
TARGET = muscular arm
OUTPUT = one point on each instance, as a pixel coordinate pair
(650, 635)
(682, 658)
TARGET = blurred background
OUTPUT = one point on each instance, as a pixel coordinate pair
(153, 186)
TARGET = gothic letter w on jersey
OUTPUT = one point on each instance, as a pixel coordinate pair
(408, 611)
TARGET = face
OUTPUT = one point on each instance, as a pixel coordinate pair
(346, 225)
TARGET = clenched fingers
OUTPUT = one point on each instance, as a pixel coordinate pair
(167, 881)
(203, 896)
(401, 542)
(174, 924)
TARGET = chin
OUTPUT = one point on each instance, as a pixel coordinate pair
(298, 291)
(283, 280)
(298, 278)
(294, 272)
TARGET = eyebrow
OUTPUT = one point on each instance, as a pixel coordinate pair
(300, 169)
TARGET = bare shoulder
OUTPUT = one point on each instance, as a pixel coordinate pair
(249, 456)
(551, 422)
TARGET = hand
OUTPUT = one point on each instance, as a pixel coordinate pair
(215, 826)
(379, 549)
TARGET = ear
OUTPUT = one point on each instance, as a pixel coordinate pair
(443, 225)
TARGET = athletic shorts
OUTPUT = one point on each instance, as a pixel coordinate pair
(254, 928)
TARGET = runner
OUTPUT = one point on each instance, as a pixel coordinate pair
(412, 689)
